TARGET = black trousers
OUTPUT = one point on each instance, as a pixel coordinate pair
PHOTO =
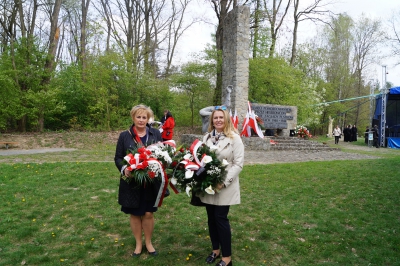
(337, 139)
(219, 228)
(376, 143)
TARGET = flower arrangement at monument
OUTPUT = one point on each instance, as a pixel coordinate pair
(148, 165)
(197, 169)
(302, 132)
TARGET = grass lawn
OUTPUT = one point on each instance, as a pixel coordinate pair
(313, 213)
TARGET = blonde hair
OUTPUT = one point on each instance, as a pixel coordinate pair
(141, 108)
(229, 129)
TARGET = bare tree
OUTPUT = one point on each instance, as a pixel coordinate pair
(276, 17)
(8, 22)
(54, 35)
(367, 38)
(147, 31)
(314, 12)
(255, 25)
(176, 28)
(82, 54)
(221, 9)
(394, 36)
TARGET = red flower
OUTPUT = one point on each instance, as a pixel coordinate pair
(142, 165)
(151, 174)
(142, 157)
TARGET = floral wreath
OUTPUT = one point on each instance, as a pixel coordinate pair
(148, 165)
(197, 169)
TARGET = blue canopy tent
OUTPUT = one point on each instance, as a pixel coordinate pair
(392, 112)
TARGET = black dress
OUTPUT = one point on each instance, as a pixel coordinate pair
(345, 134)
(137, 200)
(354, 133)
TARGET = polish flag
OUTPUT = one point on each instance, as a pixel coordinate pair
(234, 119)
(249, 123)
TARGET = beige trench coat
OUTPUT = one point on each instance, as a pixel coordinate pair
(231, 150)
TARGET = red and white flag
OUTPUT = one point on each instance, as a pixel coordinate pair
(234, 119)
(250, 123)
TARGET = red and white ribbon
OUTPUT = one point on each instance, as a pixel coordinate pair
(164, 182)
(193, 149)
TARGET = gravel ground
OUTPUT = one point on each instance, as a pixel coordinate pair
(351, 152)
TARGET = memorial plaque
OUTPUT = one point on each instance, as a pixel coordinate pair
(274, 117)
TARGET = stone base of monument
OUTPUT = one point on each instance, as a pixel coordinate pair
(270, 143)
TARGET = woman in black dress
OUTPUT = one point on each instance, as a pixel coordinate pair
(354, 133)
(135, 200)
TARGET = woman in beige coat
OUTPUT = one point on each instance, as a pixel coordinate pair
(222, 134)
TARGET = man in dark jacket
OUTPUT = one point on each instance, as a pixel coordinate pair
(376, 136)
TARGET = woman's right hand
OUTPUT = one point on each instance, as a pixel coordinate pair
(127, 172)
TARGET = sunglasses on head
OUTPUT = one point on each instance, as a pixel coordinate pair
(222, 107)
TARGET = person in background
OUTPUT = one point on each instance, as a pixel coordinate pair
(366, 135)
(164, 117)
(137, 201)
(167, 127)
(346, 134)
(354, 133)
(337, 133)
(224, 136)
(376, 136)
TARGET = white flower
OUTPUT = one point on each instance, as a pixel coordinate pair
(209, 190)
(207, 159)
(213, 148)
(224, 162)
(187, 156)
(166, 156)
(174, 181)
(188, 189)
(189, 174)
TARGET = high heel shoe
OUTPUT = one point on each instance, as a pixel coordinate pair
(223, 263)
(136, 254)
(212, 257)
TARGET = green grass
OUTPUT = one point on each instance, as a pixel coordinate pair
(314, 213)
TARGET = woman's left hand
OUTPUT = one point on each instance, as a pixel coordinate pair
(220, 186)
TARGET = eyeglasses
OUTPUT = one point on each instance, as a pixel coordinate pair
(221, 107)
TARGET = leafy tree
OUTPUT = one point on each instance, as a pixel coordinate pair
(193, 88)
(274, 81)
(25, 64)
(75, 97)
(10, 110)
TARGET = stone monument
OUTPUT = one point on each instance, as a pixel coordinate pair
(235, 62)
(235, 66)
(281, 118)
(330, 127)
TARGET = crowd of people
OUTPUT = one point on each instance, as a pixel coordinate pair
(350, 134)
(138, 200)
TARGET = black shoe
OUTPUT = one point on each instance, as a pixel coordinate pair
(212, 257)
(154, 253)
(222, 263)
(136, 254)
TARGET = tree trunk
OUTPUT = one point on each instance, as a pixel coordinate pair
(256, 25)
(82, 56)
(53, 40)
(296, 25)
(219, 46)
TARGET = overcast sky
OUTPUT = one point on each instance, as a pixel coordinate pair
(196, 39)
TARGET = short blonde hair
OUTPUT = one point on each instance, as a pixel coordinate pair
(229, 129)
(141, 108)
